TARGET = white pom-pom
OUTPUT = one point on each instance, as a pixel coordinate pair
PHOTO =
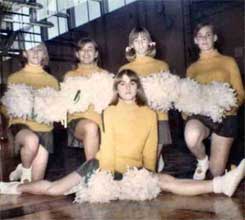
(18, 100)
(101, 189)
(161, 90)
(210, 100)
(139, 185)
(101, 87)
(48, 106)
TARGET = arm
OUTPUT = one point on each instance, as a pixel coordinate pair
(150, 148)
(236, 81)
(106, 154)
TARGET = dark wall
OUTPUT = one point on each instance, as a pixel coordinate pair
(171, 24)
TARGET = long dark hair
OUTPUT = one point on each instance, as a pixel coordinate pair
(140, 98)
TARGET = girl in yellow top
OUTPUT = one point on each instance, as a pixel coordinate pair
(34, 138)
(84, 126)
(140, 53)
(212, 66)
(129, 139)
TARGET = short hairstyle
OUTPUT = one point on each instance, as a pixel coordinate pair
(45, 59)
(81, 43)
(135, 32)
(140, 98)
(204, 24)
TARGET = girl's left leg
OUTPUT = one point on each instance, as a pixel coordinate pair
(220, 150)
(226, 184)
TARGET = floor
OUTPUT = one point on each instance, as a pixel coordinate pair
(179, 162)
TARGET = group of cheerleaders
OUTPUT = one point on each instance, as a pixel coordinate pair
(129, 134)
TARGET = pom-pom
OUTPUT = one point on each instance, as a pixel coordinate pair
(18, 100)
(139, 185)
(161, 90)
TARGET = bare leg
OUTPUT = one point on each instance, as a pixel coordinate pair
(220, 149)
(195, 133)
(39, 164)
(88, 131)
(184, 186)
(160, 162)
(29, 143)
(44, 187)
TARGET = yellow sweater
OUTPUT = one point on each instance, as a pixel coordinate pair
(129, 138)
(85, 70)
(213, 66)
(145, 66)
(36, 77)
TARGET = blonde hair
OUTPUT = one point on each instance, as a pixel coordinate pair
(130, 51)
(45, 59)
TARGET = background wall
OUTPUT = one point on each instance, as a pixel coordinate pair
(171, 24)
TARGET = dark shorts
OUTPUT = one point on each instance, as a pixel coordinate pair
(45, 138)
(164, 135)
(90, 166)
(227, 128)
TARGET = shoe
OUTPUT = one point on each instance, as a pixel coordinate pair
(26, 175)
(230, 181)
(16, 174)
(9, 188)
(160, 164)
(201, 170)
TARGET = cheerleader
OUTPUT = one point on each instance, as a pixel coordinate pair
(140, 54)
(84, 126)
(34, 139)
(212, 66)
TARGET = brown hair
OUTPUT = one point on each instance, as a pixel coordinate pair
(140, 98)
(81, 43)
(201, 25)
(135, 32)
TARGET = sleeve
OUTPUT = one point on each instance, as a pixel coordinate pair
(236, 81)
(164, 67)
(150, 148)
(3, 111)
(106, 154)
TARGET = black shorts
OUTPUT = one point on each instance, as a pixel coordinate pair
(45, 138)
(227, 128)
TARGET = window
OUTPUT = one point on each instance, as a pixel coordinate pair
(115, 4)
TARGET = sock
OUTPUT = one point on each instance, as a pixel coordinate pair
(26, 174)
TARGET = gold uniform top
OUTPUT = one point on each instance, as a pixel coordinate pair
(213, 66)
(36, 77)
(128, 138)
(85, 70)
(145, 66)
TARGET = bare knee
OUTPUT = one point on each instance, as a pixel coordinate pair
(53, 190)
(194, 133)
(193, 138)
(165, 180)
(91, 128)
(31, 142)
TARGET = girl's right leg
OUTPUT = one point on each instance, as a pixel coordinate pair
(44, 187)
